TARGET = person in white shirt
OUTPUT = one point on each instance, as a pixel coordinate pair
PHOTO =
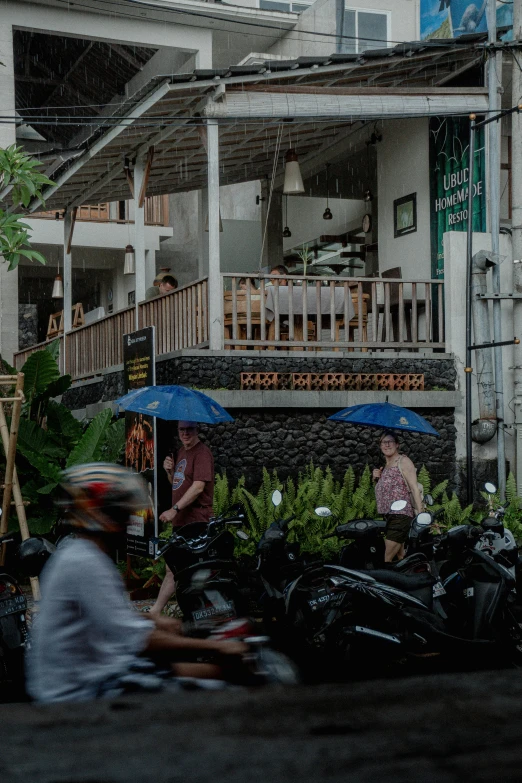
(87, 640)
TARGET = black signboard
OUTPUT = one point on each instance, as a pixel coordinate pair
(140, 437)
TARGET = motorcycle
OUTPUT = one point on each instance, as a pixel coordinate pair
(367, 617)
(13, 630)
(202, 553)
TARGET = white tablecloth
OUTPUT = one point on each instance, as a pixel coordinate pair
(297, 301)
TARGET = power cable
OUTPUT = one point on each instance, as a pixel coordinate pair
(202, 15)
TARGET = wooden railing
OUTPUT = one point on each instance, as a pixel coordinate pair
(180, 317)
(93, 348)
(21, 356)
(156, 213)
(328, 313)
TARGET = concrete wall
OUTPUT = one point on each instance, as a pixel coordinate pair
(305, 218)
(403, 168)
(455, 286)
(321, 18)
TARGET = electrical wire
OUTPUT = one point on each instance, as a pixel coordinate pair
(186, 12)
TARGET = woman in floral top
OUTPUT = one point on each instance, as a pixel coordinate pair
(397, 480)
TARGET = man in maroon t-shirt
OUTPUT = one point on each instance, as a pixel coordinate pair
(192, 480)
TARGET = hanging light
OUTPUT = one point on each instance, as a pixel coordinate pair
(286, 231)
(293, 178)
(129, 267)
(57, 288)
(327, 214)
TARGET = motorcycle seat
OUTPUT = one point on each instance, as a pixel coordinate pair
(403, 582)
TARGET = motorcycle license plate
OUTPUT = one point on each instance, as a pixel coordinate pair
(227, 609)
(438, 589)
(327, 599)
(15, 603)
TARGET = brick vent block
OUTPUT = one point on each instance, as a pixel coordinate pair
(302, 381)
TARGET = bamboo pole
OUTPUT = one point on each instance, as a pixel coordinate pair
(17, 494)
(10, 452)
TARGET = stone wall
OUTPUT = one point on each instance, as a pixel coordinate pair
(27, 325)
(206, 371)
(288, 440)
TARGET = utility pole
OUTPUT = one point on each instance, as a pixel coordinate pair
(494, 129)
(516, 228)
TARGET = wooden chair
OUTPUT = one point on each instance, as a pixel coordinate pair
(241, 304)
(55, 326)
(354, 323)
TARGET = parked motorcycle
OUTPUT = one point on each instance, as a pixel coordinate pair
(202, 553)
(13, 629)
(362, 618)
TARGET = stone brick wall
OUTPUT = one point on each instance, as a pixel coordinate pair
(288, 439)
(206, 371)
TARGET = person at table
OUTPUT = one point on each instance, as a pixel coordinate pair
(191, 476)
(278, 270)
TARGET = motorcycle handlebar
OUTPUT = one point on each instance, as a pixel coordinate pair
(283, 523)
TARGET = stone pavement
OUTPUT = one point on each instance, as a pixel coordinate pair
(440, 729)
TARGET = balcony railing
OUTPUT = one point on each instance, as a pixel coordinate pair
(156, 212)
(180, 318)
(286, 311)
(271, 313)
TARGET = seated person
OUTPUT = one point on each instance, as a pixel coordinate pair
(87, 639)
(154, 291)
(167, 284)
(279, 269)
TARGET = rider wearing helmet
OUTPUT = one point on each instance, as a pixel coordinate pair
(86, 634)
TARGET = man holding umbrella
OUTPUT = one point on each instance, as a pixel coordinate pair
(192, 481)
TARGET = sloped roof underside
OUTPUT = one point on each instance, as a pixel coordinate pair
(248, 143)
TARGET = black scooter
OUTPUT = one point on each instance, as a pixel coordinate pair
(202, 553)
(355, 620)
(13, 629)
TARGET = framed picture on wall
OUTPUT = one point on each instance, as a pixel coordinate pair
(405, 215)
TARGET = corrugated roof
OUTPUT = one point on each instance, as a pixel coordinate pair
(247, 149)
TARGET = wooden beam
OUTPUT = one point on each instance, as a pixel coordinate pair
(130, 179)
(146, 175)
(71, 230)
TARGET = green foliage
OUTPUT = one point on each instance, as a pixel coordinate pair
(19, 173)
(50, 438)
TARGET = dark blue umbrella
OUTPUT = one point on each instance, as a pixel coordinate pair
(385, 416)
(174, 403)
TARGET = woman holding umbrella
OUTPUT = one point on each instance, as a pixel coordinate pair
(397, 480)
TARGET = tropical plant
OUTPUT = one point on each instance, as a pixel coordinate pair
(51, 439)
(20, 178)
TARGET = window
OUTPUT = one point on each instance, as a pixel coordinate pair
(364, 30)
(280, 5)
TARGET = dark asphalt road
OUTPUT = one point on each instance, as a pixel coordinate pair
(438, 729)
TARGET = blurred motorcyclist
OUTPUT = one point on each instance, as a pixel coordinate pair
(87, 639)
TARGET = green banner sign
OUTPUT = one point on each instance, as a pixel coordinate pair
(449, 183)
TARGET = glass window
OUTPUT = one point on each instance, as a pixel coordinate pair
(278, 5)
(349, 29)
(372, 30)
(364, 30)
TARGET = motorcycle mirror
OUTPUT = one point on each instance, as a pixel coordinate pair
(428, 500)
(277, 498)
(323, 511)
(424, 519)
(490, 488)
(242, 535)
(398, 505)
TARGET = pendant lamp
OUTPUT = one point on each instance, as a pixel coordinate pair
(286, 231)
(57, 288)
(129, 267)
(293, 179)
(327, 214)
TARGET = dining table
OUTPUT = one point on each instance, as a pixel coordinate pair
(330, 302)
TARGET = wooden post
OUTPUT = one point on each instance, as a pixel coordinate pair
(17, 494)
(11, 451)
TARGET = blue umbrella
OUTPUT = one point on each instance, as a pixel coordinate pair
(385, 416)
(174, 403)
